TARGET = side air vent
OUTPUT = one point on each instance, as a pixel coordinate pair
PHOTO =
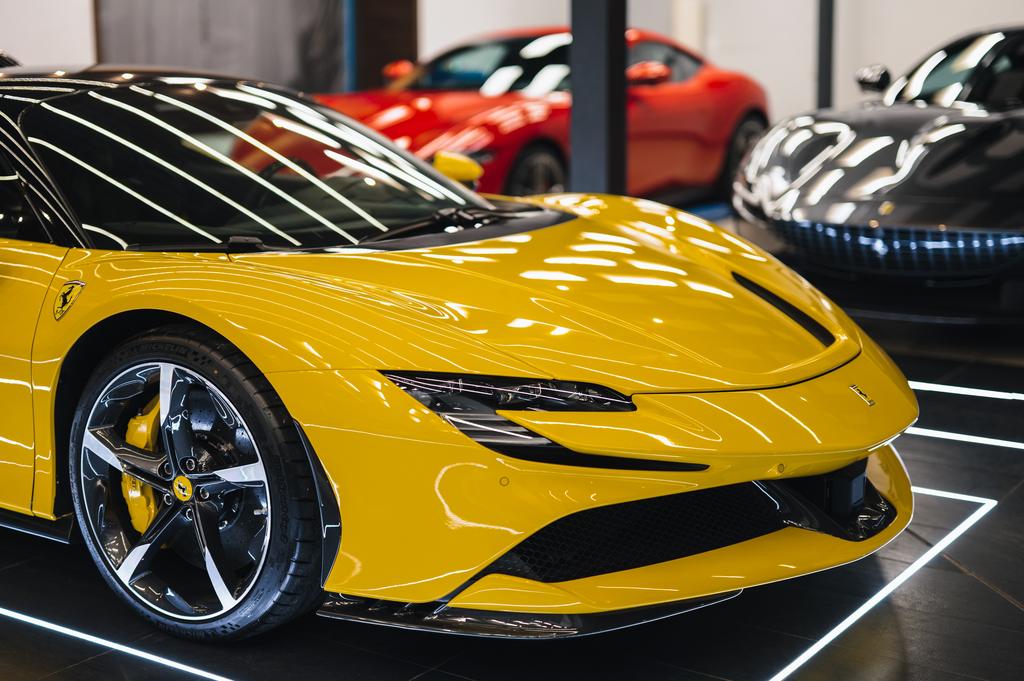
(812, 327)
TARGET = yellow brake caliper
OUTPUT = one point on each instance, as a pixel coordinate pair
(143, 431)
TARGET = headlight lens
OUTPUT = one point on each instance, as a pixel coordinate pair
(470, 403)
(450, 393)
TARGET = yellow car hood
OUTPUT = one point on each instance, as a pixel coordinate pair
(631, 294)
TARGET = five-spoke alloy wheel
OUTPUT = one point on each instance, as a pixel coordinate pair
(177, 477)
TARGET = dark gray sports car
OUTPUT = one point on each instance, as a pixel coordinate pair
(917, 199)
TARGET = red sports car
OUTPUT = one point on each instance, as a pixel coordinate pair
(504, 101)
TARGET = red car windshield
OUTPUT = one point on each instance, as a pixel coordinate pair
(536, 64)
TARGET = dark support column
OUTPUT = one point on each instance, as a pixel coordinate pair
(598, 62)
(382, 32)
(350, 44)
(826, 40)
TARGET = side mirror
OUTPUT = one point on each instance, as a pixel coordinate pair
(458, 167)
(648, 73)
(397, 69)
(873, 78)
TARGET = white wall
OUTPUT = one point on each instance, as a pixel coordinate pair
(48, 32)
(899, 34)
(445, 23)
(775, 42)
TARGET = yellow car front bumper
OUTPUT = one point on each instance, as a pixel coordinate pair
(787, 553)
(425, 511)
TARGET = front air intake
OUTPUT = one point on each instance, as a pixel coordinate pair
(638, 533)
(809, 324)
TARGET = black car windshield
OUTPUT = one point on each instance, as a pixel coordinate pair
(180, 162)
(943, 76)
(535, 64)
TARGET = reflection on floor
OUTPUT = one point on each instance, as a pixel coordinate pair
(959, 617)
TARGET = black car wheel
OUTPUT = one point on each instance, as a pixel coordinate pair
(538, 170)
(192, 489)
(743, 138)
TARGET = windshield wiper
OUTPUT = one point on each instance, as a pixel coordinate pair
(444, 218)
(234, 244)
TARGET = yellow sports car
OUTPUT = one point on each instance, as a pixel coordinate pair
(265, 361)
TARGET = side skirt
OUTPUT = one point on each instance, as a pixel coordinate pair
(61, 530)
(438, 617)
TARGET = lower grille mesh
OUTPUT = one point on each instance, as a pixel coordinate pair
(902, 249)
(638, 533)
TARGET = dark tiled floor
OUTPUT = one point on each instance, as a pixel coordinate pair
(960, 617)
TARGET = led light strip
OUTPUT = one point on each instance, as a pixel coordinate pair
(119, 647)
(968, 392)
(961, 437)
(986, 506)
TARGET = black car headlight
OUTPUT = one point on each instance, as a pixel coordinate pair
(470, 403)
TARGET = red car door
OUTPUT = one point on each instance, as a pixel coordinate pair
(669, 123)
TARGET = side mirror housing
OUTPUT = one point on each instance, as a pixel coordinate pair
(458, 167)
(873, 78)
(648, 73)
(397, 69)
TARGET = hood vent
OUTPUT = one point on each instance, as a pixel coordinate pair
(812, 327)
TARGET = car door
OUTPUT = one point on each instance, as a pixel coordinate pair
(667, 122)
(28, 262)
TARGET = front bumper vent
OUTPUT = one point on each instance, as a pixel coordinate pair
(809, 323)
(635, 534)
(638, 533)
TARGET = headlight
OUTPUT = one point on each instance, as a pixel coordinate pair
(447, 393)
(470, 403)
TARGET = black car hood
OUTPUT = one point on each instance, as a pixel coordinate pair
(879, 165)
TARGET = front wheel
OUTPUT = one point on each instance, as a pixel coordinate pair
(743, 138)
(537, 170)
(192, 489)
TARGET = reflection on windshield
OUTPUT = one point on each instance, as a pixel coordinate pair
(537, 65)
(185, 161)
(940, 79)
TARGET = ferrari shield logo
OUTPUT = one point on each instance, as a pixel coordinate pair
(862, 395)
(182, 488)
(67, 296)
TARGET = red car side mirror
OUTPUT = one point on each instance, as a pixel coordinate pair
(648, 73)
(397, 69)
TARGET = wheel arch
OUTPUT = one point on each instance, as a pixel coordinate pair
(551, 144)
(753, 112)
(546, 143)
(543, 142)
(77, 367)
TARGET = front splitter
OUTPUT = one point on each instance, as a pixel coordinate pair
(440, 618)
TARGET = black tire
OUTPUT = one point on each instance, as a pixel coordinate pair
(747, 132)
(537, 170)
(286, 582)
